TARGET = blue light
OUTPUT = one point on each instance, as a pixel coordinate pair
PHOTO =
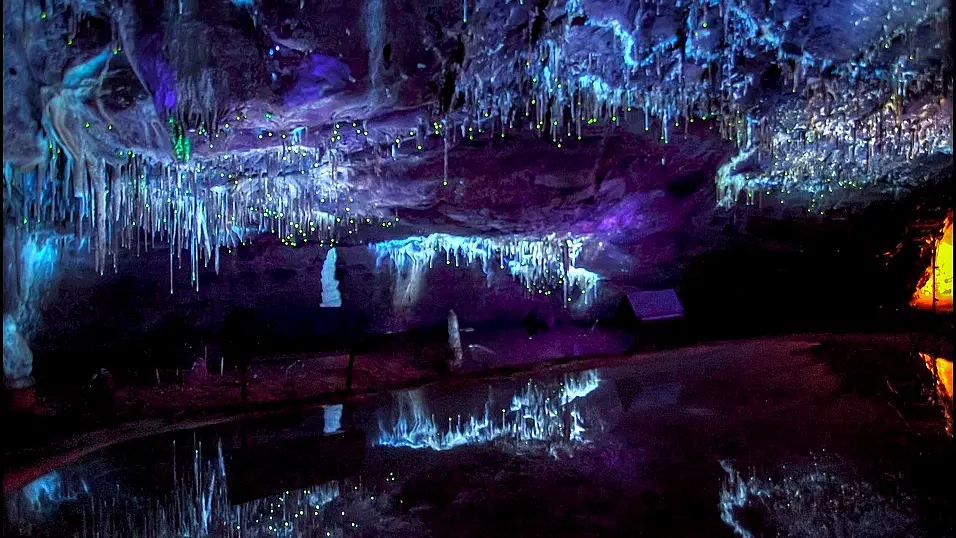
(534, 262)
(535, 414)
(44, 489)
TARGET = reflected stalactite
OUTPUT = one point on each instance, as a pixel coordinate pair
(819, 498)
(538, 412)
(197, 505)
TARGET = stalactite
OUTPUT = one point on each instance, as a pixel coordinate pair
(99, 186)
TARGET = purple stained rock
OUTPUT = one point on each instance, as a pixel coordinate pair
(317, 76)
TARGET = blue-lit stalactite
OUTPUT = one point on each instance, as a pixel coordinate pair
(199, 207)
(810, 144)
(844, 125)
(540, 264)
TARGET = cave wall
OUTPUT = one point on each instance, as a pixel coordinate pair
(130, 317)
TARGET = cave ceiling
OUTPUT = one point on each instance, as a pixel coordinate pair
(209, 123)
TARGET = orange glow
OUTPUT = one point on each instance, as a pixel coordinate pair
(923, 299)
(942, 369)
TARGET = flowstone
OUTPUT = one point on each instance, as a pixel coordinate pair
(17, 357)
(331, 297)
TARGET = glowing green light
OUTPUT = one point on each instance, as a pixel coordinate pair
(182, 147)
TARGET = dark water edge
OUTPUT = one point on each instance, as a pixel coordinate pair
(772, 440)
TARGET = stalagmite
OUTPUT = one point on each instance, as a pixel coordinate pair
(457, 356)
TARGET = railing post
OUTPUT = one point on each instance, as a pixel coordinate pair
(348, 372)
(935, 249)
(244, 381)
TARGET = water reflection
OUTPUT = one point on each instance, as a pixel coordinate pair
(224, 482)
(536, 412)
(197, 505)
(822, 498)
(48, 491)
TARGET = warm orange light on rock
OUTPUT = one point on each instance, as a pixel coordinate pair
(942, 369)
(941, 279)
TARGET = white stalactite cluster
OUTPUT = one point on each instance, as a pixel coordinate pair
(198, 208)
(841, 125)
(539, 264)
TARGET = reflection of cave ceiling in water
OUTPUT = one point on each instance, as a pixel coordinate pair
(544, 418)
(197, 505)
(800, 499)
(205, 124)
(537, 412)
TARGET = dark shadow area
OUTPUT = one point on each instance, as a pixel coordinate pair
(853, 273)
